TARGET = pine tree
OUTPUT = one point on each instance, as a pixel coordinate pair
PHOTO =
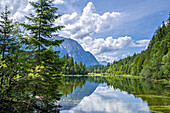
(9, 47)
(8, 41)
(42, 63)
(41, 38)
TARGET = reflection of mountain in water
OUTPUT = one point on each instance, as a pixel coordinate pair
(106, 99)
(78, 94)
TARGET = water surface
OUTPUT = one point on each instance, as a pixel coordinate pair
(104, 99)
(114, 95)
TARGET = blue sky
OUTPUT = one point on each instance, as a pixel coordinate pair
(110, 29)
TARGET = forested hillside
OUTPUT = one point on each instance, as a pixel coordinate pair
(154, 62)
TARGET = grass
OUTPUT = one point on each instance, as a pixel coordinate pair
(160, 109)
(97, 74)
(75, 75)
(164, 81)
(154, 96)
(109, 75)
(129, 76)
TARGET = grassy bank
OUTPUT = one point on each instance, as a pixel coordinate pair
(125, 76)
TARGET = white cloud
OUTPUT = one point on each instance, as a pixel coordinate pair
(88, 23)
(58, 2)
(99, 46)
(123, 56)
(106, 49)
(141, 43)
(107, 58)
(21, 8)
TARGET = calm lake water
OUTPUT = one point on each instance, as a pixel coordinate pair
(87, 95)
(113, 95)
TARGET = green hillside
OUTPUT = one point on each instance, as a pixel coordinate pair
(154, 62)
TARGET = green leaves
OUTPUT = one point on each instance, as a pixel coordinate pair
(31, 68)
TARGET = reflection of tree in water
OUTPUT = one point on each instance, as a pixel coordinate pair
(74, 90)
(70, 83)
(22, 98)
(156, 94)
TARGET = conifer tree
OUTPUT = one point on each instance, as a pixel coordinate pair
(41, 38)
(8, 47)
(8, 41)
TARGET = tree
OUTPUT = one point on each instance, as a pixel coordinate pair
(8, 41)
(36, 71)
(41, 38)
(76, 68)
(166, 66)
(42, 64)
(8, 47)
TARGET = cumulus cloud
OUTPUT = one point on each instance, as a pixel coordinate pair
(141, 43)
(107, 58)
(106, 49)
(99, 46)
(20, 8)
(88, 23)
(15, 6)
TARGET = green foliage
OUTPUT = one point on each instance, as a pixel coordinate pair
(40, 39)
(8, 42)
(9, 47)
(72, 68)
(98, 69)
(31, 74)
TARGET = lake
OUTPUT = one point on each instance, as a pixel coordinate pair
(113, 95)
(86, 94)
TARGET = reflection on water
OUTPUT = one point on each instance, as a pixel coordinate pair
(104, 99)
(87, 95)
(113, 95)
(71, 100)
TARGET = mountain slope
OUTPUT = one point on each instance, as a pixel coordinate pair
(154, 62)
(75, 50)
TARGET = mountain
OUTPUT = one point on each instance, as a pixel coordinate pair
(75, 50)
(104, 63)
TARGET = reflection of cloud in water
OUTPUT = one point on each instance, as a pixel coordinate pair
(71, 100)
(109, 100)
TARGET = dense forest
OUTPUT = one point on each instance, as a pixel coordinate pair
(72, 67)
(98, 68)
(154, 62)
